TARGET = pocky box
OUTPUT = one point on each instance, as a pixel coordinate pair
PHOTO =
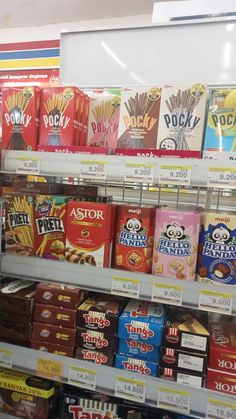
(139, 117)
(139, 349)
(176, 243)
(20, 121)
(19, 231)
(104, 117)
(142, 321)
(217, 248)
(50, 218)
(85, 118)
(221, 122)
(134, 238)
(58, 116)
(140, 366)
(182, 117)
(89, 233)
(223, 347)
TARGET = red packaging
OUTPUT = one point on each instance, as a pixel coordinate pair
(97, 357)
(73, 149)
(144, 152)
(85, 116)
(221, 381)
(60, 316)
(20, 117)
(58, 116)
(54, 334)
(80, 112)
(89, 233)
(223, 347)
(134, 238)
(49, 227)
(53, 348)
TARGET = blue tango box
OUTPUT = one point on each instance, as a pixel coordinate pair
(139, 349)
(142, 321)
(140, 366)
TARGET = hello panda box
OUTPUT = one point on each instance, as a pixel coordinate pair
(176, 242)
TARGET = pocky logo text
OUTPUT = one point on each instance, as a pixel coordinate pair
(133, 233)
(174, 241)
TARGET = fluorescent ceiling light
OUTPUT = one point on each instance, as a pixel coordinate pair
(112, 54)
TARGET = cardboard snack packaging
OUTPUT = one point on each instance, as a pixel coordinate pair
(222, 349)
(54, 334)
(20, 121)
(192, 379)
(182, 360)
(59, 295)
(139, 349)
(60, 316)
(98, 341)
(53, 348)
(17, 296)
(221, 381)
(98, 357)
(139, 117)
(137, 365)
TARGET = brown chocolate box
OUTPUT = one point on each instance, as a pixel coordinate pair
(82, 190)
(101, 312)
(17, 295)
(183, 360)
(97, 357)
(38, 187)
(54, 334)
(59, 295)
(53, 348)
(19, 318)
(15, 332)
(98, 341)
(60, 316)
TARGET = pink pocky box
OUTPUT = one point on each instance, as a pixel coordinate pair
(176, 242)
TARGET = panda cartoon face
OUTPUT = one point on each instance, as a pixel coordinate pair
(134, 225)
(175, 232)
(221, 235)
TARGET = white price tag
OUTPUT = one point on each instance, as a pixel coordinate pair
(135, 172)
(222, 410)
(175, 175)
(126, 287)
(5, 358)
(218, 302)
(82, 377)
(129, 389)
(168, 294)
(176, 400)
(93, 169)
(28, 165)
(220, 177)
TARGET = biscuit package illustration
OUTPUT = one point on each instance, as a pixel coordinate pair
(176, 243)
(217, 248)
(221, 122)
(139, 117)
(182, 117)
(134, 238)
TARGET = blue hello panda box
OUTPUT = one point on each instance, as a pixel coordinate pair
(142, 321)
(139, 349)
(141, 366)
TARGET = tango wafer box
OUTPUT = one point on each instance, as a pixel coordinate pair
(19, 231)
(58, 116)
(50, 218)
(182, 117)
(139, 349)
(134, 238)
(20, 117)
(176, 243)
(142, 321)
(141, 366)
(89, 233)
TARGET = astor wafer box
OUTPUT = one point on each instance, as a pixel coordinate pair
(141, 366)
(182, 360)
(59, 295)
(100, 312)
(139, 349)
(222, 353)
(142, 321)
(20, 117)
(98, 341)
(60, 316)
(221, 381)
(192, 379)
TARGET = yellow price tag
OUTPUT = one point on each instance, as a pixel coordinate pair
(49, 369)
(175, 175)
(215, 301)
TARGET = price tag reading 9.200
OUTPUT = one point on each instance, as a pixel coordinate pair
(176, 400)
(93, 169)
(175, 175)
(219, 177)
(28, 165)
(139, 172)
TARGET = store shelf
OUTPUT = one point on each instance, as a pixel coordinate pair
(62, 164)
(27, 360)
(101, 279)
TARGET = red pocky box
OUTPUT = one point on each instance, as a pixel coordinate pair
(221, 381)
(49, 231)
(89, 233)
(134, 238)
(223, 347)
(80, 114)
(58, 116)
(20, 117)
(85, 117)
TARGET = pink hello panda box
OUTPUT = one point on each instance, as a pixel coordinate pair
(176, 242)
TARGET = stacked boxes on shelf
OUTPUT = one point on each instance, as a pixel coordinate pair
(183, 356)
(97, 328)
(55, 317)
(140, 333)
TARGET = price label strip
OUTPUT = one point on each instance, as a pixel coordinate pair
(82, 377)
(93, 169)
(167, 294)
(216, 302)
(130, 389)
(175, 175)
(222, 410)
(5, 358)
(28, 165)
(135, 172)
(220, 177)
(49, 369)
(126, 287)
(175, 400)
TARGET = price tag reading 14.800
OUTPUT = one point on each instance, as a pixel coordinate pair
(130, 389)
(82, 377)
(175, 175)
